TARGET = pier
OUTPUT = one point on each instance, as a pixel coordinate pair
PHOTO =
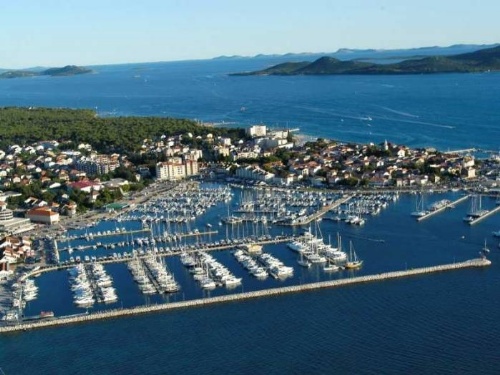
(205, 248)
(170, 238)
(319, 213)
(489, 213)
(23, 326)
(448, 205)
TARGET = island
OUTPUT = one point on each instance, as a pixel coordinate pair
(484, 60)
(68, 70)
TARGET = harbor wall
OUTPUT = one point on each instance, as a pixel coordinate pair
(242, 296)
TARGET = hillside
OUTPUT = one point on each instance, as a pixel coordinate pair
(68, 70)
(478, 61)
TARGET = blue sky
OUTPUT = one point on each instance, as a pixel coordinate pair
(90, 32)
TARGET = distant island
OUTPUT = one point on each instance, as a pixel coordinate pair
(479, 61)
(68, 70)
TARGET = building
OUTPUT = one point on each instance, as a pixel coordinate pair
(257, 131)
(15, 249)
(254, 173)
(176, 168)
(43, 215)
(98, 164)
(10, 224)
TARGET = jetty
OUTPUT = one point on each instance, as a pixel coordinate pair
(24, 326)
(484, 216)
(444, 207)
(315, 216)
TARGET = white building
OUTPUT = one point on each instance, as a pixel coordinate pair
(254, 173)
(257, 131)
(43, 215)
(176, 168)
(10, 224)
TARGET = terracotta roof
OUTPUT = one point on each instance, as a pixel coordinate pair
(42, 211)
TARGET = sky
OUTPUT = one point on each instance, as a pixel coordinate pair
(94, 32)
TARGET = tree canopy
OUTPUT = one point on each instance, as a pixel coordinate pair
(105, 134)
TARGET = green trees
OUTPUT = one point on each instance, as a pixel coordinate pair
(108, 134)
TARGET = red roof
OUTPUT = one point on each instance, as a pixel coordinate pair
(41, 211)
(82, 184)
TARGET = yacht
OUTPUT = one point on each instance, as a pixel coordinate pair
(353, 261)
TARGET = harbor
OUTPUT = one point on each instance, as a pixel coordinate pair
(266, 240)
(442, 207)
(474, 263)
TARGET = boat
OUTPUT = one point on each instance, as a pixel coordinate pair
(496, 234)
(484, 251)
(330, 267)
(304, 262)
(353, 261)
(419, 207)
(46, 314)
(476, 210)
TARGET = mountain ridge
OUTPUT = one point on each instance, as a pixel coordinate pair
(487, 59)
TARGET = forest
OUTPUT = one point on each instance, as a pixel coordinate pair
(106, 134)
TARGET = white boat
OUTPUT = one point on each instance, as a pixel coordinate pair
(208, 283)
(419, 207)
(330, 267)
(484, 251)
(232, 281)
(353, 261)
(304, 262)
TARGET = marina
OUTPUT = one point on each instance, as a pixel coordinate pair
(474, 263)
(441, 323)
(249, 255)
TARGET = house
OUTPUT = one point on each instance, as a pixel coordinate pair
(43, 215)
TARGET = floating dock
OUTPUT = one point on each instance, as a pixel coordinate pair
(23, 326)
(441, 209)
(167, 254)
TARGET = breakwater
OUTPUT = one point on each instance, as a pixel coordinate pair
(22, 326)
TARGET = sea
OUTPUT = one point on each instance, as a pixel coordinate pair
(444, 323)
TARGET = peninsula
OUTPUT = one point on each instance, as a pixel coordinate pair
(483, 60)
(68, 70)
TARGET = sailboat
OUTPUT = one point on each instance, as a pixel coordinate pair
(303, 261)
(484, 251)
(353, 261)
(419, 209)
(476, 210)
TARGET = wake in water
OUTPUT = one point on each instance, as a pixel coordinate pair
(399, 112)
(421, 123)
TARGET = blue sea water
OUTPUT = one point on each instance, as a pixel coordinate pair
(447, 111)
(436, 324)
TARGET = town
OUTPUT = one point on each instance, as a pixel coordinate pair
(45, 182)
